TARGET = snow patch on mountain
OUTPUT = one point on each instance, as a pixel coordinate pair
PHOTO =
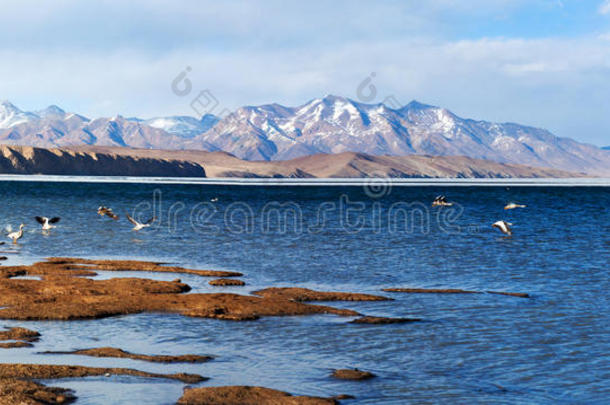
(10, 115)
(183, 126)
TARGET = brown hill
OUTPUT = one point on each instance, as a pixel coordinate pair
(29, 160)
(342, 165)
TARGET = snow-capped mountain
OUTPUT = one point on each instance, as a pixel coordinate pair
(327, 125)
(337, 124)
(51, 111)
(183, 126)
(10, 115)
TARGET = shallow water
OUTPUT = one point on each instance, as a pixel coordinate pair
(477, 348)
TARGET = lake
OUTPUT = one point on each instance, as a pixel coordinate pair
(469, 348)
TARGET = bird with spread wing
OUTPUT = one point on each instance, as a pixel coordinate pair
(47, 223)
(139, 225)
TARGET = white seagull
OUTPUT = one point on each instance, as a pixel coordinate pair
(137, 225)
(15, 236)
(46, 222)
(512, 206)
(504, 227)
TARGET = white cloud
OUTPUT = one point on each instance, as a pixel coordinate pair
(497, 79)
(250, 55)
(604, 8)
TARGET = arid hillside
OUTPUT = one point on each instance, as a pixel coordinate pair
(29, 160)
(347, 165)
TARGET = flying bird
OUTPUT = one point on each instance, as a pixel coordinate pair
(108, 212)
(441, 201)
(512, 206)
(46, 222)
(504, 227)
(138, 225)
(15, 236)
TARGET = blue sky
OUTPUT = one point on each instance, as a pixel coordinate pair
(540, 62)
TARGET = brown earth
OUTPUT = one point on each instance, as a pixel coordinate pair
(62, 296)
(121, 354)
(19, 334)
(304, 295)
(22, 338)
(244, 395)
(430, 290)
(452, 291)
(14, 391)
(355, 374)
(510, 294)
(379, 320)
(343, 396)
(226, 282)
(14, 345)
(135, 265)
(54, 161)
(65, 293)
(53, 372)
(339, 165)
(124, 161)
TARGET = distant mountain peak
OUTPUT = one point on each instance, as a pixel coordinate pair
(416, 105)
(11, 115)
(6, 105)
(51, 110)
(332, 98)
(332, 124)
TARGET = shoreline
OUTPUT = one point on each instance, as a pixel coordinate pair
(318, 182)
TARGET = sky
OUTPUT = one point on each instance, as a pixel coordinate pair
(544, 63)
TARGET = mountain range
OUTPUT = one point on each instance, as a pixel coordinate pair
(328, 125)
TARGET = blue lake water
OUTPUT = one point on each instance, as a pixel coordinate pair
(475, 348)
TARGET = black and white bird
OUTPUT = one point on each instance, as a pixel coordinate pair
(15, 236)
(441, 201)
(504, 227)
(138, 225)
(46, 222)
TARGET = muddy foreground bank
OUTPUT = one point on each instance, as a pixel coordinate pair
(65, 291)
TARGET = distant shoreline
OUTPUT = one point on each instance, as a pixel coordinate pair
(317, 182)
(126, 162)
